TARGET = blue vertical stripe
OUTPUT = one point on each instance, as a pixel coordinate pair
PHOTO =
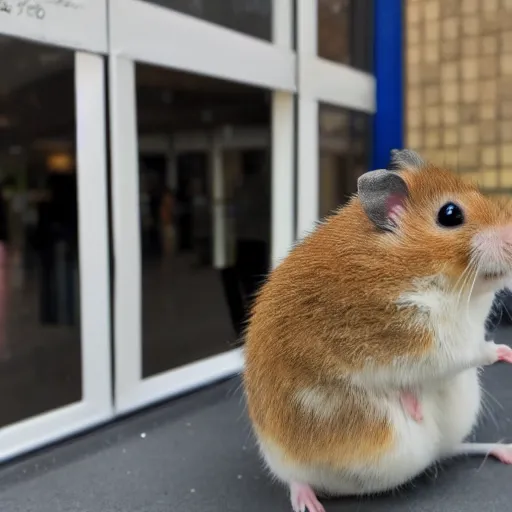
(389, 76)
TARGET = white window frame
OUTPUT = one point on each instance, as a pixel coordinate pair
(320, 80)
(76, 24)
(178, 41)
(96, 405)
(146, 32)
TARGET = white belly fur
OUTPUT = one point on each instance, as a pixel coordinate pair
(450, 411)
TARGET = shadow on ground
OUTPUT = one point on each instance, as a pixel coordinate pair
(196, 454)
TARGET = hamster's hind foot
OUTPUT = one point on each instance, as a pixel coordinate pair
(502, 452)
(411, 405)
(304, 499)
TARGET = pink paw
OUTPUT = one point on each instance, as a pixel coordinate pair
(504, 353)
(503, 453)
(304, 499)
(411, 405)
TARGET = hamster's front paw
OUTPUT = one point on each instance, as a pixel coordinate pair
(304, 499)
(493, 353)
(504, 353)
(411, 405)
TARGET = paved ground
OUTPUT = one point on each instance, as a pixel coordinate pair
(196, 455)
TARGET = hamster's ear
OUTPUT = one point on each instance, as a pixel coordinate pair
(382, 194)
(405, 160)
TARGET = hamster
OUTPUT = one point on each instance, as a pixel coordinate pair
(386, 298)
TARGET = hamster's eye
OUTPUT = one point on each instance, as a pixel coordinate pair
(450, 216)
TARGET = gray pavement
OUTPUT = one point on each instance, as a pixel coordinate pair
(196, 454)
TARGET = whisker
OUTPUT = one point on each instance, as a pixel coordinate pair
(471, 269)
(488, 412)
(495, 308)
(499, 306)
(462, 276)
(462, 281)
(504, 307)
(471, 292)
(494, 399)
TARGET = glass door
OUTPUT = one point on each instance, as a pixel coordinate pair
(54, 279)
(205, 243)
(195, 140)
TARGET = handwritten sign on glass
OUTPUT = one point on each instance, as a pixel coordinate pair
(36, 9)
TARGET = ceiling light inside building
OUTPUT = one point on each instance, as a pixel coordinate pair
(60, 163)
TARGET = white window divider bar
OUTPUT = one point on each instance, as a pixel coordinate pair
(283, 145)
(283, 176)
(180, 41)
(126, 226)
(308, 168)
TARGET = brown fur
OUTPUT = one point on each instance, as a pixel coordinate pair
(331, 305)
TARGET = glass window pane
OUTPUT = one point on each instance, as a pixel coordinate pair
(251, 17)
(40, 351)
(345, 32)
(205, 212)
(344, 143)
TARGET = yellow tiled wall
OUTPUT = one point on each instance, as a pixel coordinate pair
(459, 86)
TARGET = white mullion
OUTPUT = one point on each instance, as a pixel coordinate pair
(308, 167)
(307, 120)
(282, 21)
(282, 162)
(283, 176)
(93, 227)
(126, 227)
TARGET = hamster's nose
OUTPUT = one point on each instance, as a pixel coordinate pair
(505, 234)
(492, 242)
(493, 251)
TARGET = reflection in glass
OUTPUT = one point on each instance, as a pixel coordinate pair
(204, 170)
(40, 357)
(344, 140)
(345, 32)
(251, 17)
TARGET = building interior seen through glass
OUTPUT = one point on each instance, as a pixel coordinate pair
(251, 17)
(344, 151)
(204, 169)
(40, 356)
(344, 34)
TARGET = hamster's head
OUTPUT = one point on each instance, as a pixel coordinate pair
(437, 224)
